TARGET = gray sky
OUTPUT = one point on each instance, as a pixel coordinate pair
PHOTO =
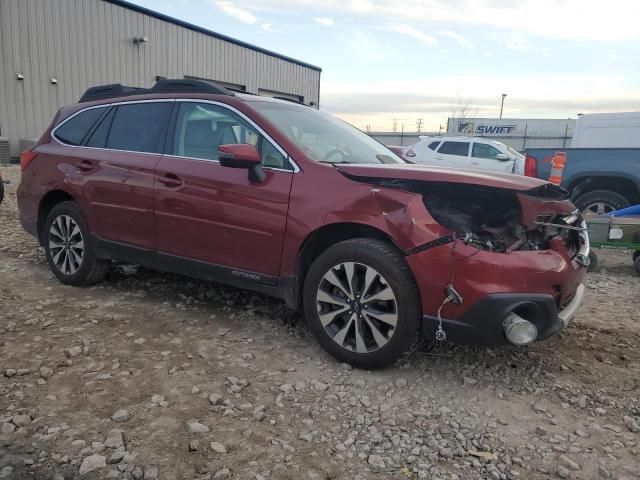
(410, 59)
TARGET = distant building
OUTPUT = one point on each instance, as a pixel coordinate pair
(52, 51)
(519, 133)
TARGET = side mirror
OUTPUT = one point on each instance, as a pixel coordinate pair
(502, 157)
(241, 155)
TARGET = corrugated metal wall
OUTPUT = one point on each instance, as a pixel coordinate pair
(82, 43)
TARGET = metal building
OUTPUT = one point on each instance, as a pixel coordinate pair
(51, 51)
(518, 133)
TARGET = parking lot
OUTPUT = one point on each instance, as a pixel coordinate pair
(150, 375)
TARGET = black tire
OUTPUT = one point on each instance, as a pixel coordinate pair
(90, 270)
(1, 190)
(610, 200)
(593, 262)
(385, 260)
(636, 255)
(636, 264)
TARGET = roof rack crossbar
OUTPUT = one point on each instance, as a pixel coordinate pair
(116, 90)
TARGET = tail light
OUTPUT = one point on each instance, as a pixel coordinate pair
(410, 153)
(530, 166)
(26, 158)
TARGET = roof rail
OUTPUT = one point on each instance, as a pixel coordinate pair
(116, 90)
(107, 91)
(287, 99)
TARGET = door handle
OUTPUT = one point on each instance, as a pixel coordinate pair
(84, 166)
(170, 180)
(438, 158)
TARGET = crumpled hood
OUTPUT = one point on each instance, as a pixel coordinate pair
(431, 173)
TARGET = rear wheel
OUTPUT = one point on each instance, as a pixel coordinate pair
(67, 244)
(362, 304)
(600, 202)
(636, 264)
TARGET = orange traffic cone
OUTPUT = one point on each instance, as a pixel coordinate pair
(557, 167)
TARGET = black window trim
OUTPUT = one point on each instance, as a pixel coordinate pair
(88, 132)
(468, 142)
(171, 125)
(294, 166)
(115, 104)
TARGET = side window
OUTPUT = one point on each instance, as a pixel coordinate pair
(75, 129)
(455, 148)
(482, 150)
(98, 138)
(139, 127)
(202, 127)
(434, 145)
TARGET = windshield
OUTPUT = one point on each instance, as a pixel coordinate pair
(324, 138)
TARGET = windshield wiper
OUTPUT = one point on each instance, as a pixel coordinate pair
(333, 163)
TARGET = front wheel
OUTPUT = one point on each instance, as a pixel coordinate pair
(361, 303)
(67, 244)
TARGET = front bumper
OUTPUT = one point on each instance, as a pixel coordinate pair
(482, 323)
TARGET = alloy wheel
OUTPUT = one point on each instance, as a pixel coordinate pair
(66, 244)
(357, 307)
(598, 208)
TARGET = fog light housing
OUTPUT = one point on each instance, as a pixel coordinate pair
(518, 330)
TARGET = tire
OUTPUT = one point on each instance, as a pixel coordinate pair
(381, 275)
(593, 262)
(63, 261)
(636, 264)
(600, 202)
(1, 190)
(636, 255)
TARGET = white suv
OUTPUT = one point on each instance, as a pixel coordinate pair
(465, 152)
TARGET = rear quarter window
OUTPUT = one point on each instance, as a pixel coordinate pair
(139, 127)
(73, 131)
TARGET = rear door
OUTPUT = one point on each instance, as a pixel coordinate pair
(484, 157)
(453, 153)
(212, 213)
(115, 172)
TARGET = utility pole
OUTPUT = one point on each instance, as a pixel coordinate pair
(502, 104)
(395, 124)
(419, 124)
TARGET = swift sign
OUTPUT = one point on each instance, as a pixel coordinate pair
(470, 128)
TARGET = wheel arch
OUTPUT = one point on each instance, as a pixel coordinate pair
(324, 237)
(47, 203)
(621, 185)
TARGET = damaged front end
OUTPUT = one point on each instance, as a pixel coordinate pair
(504, 221)
(514, 268)
(501, 220)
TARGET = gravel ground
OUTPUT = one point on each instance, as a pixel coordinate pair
(150, 375)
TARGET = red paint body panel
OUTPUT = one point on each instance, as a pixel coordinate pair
(440, 174)
(480, 273)
(218, 216)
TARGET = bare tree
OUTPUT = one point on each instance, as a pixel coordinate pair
(463, 112)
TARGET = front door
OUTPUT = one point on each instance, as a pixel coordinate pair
(212, 213)
(484, 157)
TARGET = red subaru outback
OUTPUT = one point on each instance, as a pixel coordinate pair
(283, 199)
